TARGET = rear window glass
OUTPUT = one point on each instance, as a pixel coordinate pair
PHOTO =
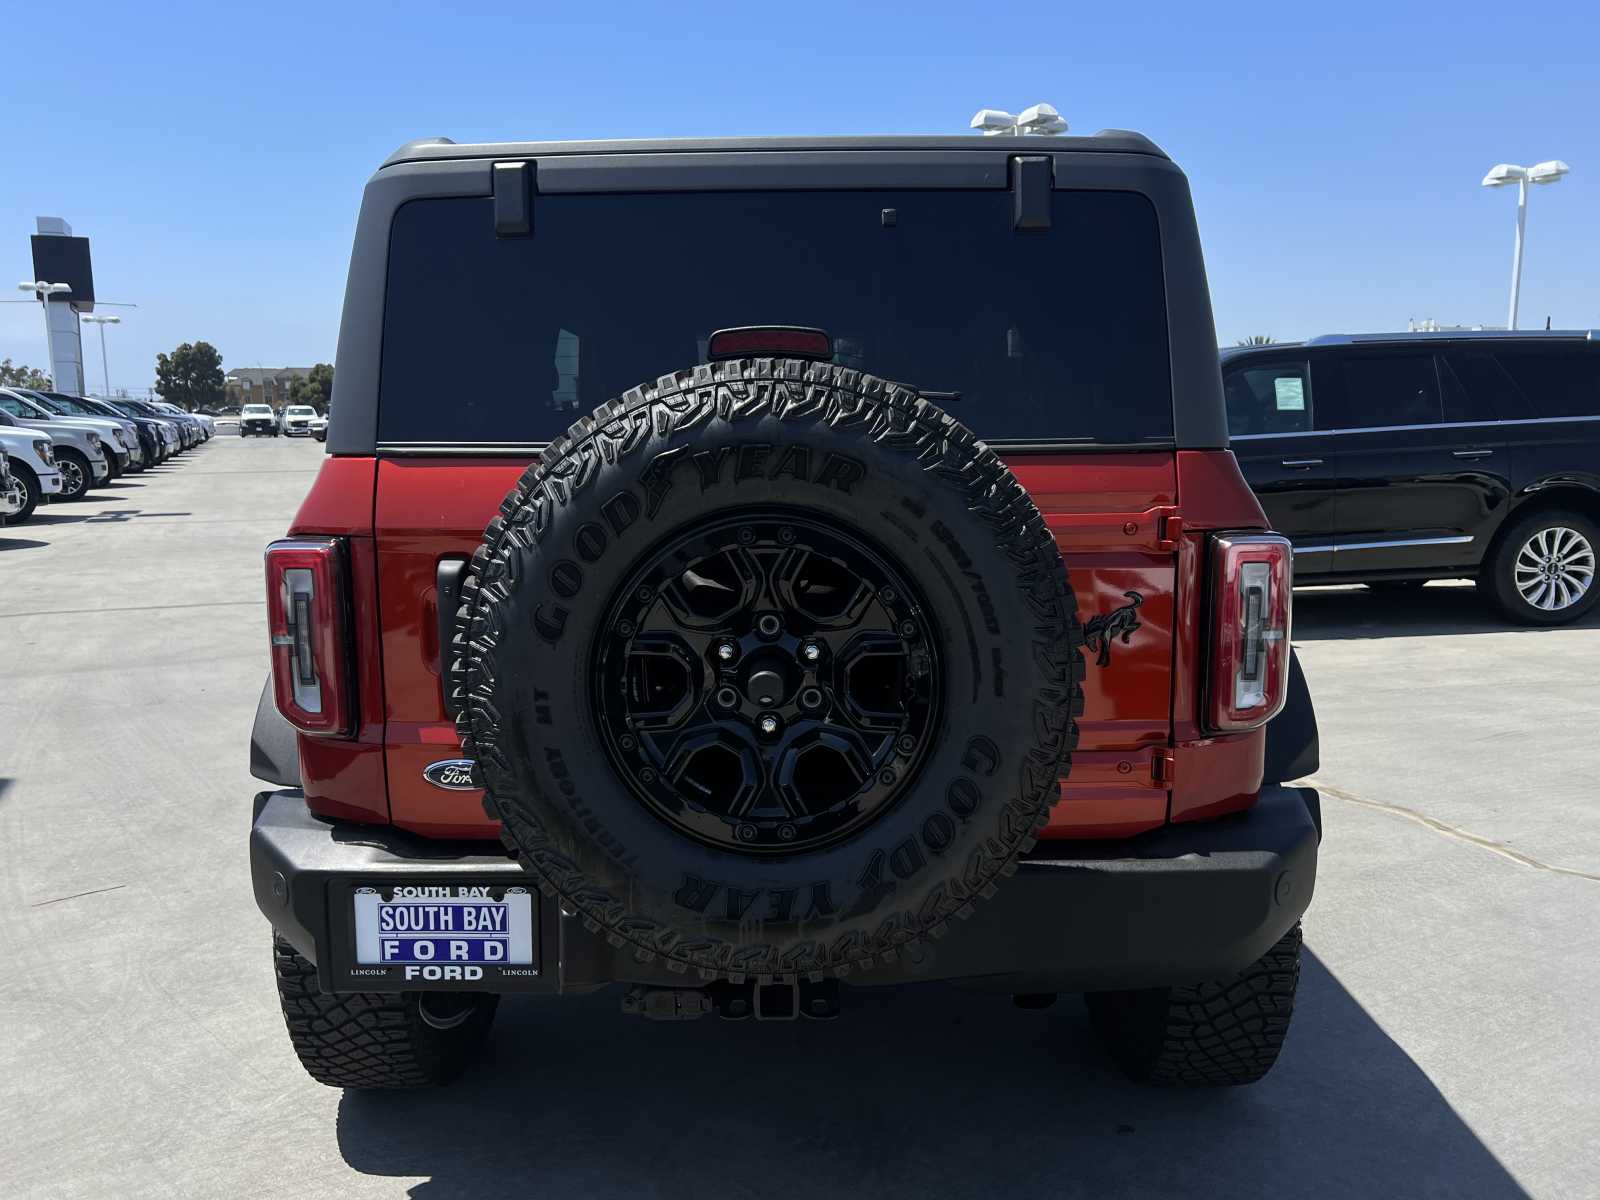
(1557, 383)
(1046, 335)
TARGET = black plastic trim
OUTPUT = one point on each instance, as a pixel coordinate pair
(1031, 180)
(274, 743)
(1293, 750)
(447, 591)
(1181, 904)
(513, 199)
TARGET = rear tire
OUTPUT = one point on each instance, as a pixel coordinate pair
(1514, 573)
(1223, 1033)
(375, 1040)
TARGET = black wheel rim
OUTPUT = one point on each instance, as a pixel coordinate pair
(768, 682)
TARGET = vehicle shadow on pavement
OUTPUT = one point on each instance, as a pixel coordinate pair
(1343, 614)
(913, 1092)
(11, 543)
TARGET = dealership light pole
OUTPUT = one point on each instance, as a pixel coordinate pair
(44, 291)
(1508, 173)
(105, 367)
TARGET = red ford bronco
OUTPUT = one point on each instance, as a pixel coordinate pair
(835, 574)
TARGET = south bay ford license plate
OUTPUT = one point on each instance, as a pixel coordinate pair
(451, 934)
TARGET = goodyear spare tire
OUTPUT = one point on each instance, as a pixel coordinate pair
(768, 669)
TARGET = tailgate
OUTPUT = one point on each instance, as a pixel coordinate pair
(1112, 516)
(1109, 515)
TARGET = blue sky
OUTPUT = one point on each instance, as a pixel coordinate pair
(215, 153)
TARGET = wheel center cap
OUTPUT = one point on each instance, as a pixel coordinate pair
(765, 687)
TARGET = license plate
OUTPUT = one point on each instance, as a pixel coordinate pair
(460, 934)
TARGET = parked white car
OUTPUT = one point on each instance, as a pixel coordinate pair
(80, 455)
(31, 460)
(130, 456)
(106, 434)
(297, 420)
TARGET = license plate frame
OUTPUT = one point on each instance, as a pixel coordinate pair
(361, 962)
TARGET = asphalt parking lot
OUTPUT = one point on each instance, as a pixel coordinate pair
(1447, 1041)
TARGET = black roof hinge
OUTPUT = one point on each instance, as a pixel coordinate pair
(1032, 180)
(513, 199)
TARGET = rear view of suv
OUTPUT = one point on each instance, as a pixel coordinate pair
(1392, 459)
(851, 586)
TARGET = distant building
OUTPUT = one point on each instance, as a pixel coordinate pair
(261, 385)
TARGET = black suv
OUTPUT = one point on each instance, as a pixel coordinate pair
(1392, 459)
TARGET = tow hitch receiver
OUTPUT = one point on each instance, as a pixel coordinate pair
(736, 1001)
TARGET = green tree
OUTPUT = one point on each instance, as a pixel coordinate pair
(191, 376)
(1257, 339)
(316, 389)
(21, 376)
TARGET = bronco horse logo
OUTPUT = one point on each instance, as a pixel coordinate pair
(1102, 630)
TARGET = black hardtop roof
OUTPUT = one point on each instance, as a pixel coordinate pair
(1107, 141)
(1541, 336)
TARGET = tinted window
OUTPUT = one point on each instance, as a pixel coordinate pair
(1384, 389)
(1045, 334)
(1269, 398)
(1478, 389)
(14, 406)
(1557, 382)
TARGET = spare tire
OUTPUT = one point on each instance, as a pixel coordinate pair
(768, 669)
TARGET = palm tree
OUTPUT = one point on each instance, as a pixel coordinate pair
(1257, 339)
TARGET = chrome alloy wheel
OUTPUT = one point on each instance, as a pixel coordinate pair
(73, 483)
(1555, 568)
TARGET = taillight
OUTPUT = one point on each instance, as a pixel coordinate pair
(306, 621)
(1253, 574)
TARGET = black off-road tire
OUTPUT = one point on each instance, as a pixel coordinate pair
(377, 1040)
(1226, 1032)
(1498, 577)
(826, 444)
(24, 475)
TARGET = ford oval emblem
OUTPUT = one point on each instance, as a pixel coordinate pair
(452, 773)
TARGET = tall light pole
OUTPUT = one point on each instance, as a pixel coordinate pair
(1508, 173)
(44, 291)
(105, 367)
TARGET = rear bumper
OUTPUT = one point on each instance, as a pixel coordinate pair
(1182, 904)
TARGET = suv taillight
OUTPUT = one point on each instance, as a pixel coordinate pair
(306, 606)
(1253, 574)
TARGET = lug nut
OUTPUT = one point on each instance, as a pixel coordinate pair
(769, 724)
(908, 629)
(906, 743)
(727, 651)
(811, 652)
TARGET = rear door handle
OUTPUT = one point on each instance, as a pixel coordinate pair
(1301, 464)
(1469, 453)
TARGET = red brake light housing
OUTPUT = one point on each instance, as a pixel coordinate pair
(1252, 578)
(308, 624)
(798, 341)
